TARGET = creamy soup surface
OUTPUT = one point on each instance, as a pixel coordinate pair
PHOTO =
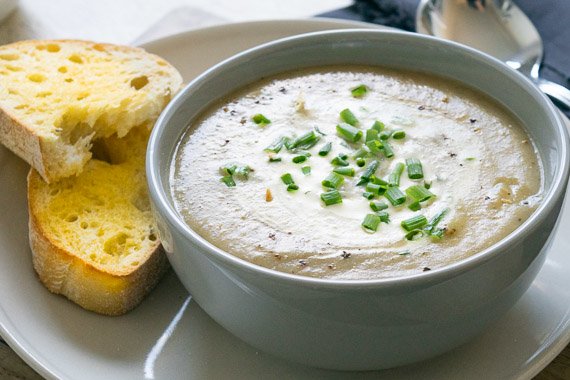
(477, 161)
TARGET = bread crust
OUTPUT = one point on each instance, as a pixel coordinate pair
(63, 272)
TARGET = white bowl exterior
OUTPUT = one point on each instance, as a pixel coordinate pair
(366, 325)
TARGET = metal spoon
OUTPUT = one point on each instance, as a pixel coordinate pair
(497, 27)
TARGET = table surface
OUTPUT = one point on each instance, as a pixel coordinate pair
(129, 21)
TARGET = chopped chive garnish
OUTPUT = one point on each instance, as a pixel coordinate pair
(325, 149)
(299, 159)
(274, 159)
(387, 149)
(287, 141)
(260, 120)
(360, 153)
(343, 156)
(360, 162)
(359, 91)
(427, 184)
(368, 172)
(470, 159)
(339, 161)
(373, 188)
(414, 223)
(398, 134)
(371, 134)
(348, 132)
(378, 181)
(319, 131)
(228, 169)
(306, 170)
(431, 226)
(378, 206)
(287, 179)
(344, 171)
(419, 193)
(276, 146)
(228, 180)
(371, 223)
(415, 170)
(415, 206)
(375, 146)
(395, 196)
(292, 187)
(331, 197)
(414, 235)
(242, 172)
(348, 117)
(385, 134)
(368, 195)
(333, 181)
(378, 125)
(384, 216)
(306, 141)
(394, 177)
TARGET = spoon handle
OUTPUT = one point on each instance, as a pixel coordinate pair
(559, 94)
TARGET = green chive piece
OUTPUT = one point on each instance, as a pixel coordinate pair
(371, 134)
(373, 188)
(368, 172)
(414, 223)
(325, 149)
(348, 117)
(306, 141)
(228, 180)
(415, 206)
(339, 161)
(378, 205)
(398, 134)
(368, 195)
(394, 177)
(415, 170)
(378, 125)
(319, 131)
(427, 184)
(343, 156)
(419, 193)
(384, 216)
(371, 223)
(287, 141)
(375, 146)
(360, 153)
(395, 196)
(306, 170)
(287, 179)
(228, 169)
(431, 226)
(378, 181)
(360, 162)
(331, 197)
(470, 159)
(348, 132)
(414, 235)
(333, 181)
(385, 134)
(359, 91)
(292, 187)
(299, 159)
(349, 172)
(260, 120)
(276, 146)
(387, 149)
(274, 159)
(242, 172)
(437, 233)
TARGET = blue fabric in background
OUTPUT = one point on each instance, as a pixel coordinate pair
(551, 18)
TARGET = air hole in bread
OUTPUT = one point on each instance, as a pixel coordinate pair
(54, 192)
(71, 218)
(135, 264)
(94, 224)
(75, 58)
(21, 106)
(152, 237)
(53, 48)
(116, 245)
(162, 63)
(139, 82)
(84, 225)
(38, 78)
(99, 47)
(43, 94)
(68, 80)
(100, 151)
(14, 68)
(93, 257)
(62, 69)
(9, 57)
(82, 96)
(77, 132)
(11, 91)
(141, 202)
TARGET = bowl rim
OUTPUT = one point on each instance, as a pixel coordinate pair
(162, 205)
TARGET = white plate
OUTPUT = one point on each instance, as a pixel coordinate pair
(168, 336)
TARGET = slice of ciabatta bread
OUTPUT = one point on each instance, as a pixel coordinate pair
(56, 97)
(92, 235)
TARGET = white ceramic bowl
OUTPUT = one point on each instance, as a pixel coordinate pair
(360, 325)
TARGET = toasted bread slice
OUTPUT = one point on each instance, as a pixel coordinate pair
(56, 97)
(92, 235)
